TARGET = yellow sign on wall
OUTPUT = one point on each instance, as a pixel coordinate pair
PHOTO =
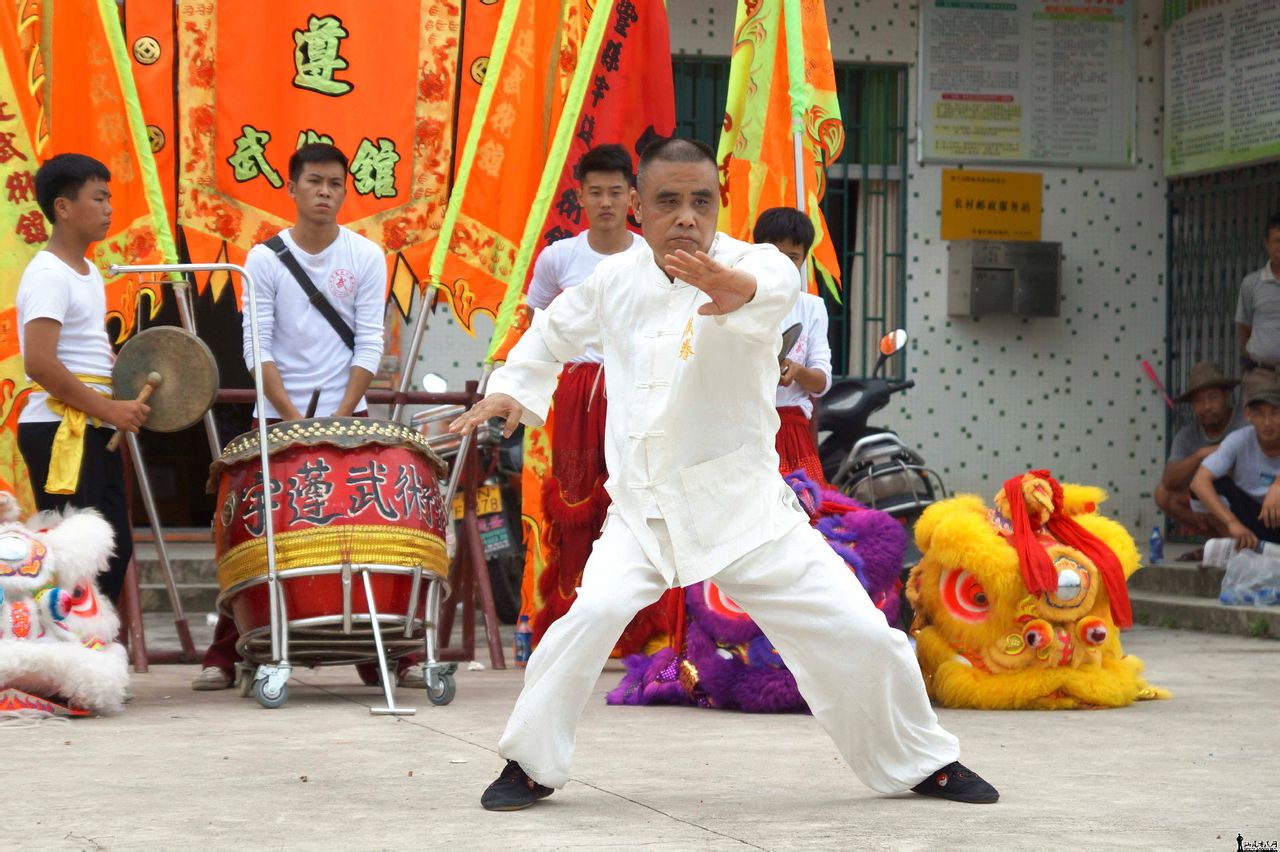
(990, 205)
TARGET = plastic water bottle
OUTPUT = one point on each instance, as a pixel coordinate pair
(524, 641)
(1155, 547)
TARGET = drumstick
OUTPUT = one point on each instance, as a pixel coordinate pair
(153, 381)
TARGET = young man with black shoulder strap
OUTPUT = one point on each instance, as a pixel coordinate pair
(321, 296)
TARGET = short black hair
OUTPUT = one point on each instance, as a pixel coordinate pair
(604, 159)
(315, 152)
(1273, 224)
(674, 149)
(62, 176)
(783, 224)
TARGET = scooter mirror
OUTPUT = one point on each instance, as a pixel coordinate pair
(893, 342)
(434, 383)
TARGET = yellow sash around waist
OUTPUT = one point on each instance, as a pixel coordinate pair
(68, 442)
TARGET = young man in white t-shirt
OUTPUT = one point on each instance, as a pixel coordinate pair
(573, 497)
(806, 370)
(62, 314)
(302, 353)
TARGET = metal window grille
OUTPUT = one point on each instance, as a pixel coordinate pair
(865, 203)
(1215, 238)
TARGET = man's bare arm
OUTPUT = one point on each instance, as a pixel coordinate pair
(1178, 474)
(1202, 488)
(357, 384)
(273, 387)
(40, 360)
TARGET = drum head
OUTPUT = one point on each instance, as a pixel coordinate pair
(188, 373)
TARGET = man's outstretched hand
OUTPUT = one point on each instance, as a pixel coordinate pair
(728, 288)
(497, 405)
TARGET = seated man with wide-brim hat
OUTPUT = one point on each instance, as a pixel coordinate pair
(1208, 392)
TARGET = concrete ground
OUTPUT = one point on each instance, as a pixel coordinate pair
(180, 769)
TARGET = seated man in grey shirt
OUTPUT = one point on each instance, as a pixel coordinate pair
(1245, 467)
(1209, 393)
(1258, 306)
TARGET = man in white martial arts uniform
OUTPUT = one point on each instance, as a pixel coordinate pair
(689, 333)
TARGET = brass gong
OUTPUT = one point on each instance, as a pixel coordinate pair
(188, 372)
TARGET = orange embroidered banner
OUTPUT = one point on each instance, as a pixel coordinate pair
(375, 79)
(65, 85)
(150, 36)
(630, 101)
(504, 155)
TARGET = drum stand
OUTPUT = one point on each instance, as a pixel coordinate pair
(388, 690)
(271, 679)
(468, 574)
(133, 607)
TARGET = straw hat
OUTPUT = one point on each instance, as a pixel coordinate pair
(1205, 375)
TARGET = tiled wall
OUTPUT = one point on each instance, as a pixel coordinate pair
(999, 395)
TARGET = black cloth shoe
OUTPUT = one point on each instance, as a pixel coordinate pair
(513, 790)
(958, 783)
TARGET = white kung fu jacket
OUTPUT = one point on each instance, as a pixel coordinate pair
(691, 422)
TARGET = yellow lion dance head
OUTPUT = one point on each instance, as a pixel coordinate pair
(1018, 607)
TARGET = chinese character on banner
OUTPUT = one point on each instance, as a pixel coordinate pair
(373, 168)
(249, 160)
(21, 186)
(315, 56)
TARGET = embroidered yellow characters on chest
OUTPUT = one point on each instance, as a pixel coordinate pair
(686, 342)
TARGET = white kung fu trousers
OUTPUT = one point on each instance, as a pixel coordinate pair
(859, 676)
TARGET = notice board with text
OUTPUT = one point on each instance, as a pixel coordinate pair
(1221, 84)
(1050, 82)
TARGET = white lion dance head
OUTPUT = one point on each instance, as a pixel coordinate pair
(57, 633)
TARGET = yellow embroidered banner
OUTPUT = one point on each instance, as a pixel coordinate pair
(781, 79)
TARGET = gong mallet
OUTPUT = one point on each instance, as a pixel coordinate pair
(153, 381)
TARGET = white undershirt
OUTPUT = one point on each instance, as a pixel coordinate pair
(811, 350)
(50, 289)
(564, 264)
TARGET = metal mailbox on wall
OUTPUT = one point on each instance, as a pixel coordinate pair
(1004, 277)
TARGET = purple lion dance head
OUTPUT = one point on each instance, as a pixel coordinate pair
(726, 661)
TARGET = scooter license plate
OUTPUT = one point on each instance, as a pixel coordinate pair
(488, 501)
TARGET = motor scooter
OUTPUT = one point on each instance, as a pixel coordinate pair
(872, 464)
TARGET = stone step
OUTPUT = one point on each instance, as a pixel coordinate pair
(1197, 613)
(192, 563)
(1179, 578)
(197, 598)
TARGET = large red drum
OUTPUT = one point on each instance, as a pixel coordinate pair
(348, 495)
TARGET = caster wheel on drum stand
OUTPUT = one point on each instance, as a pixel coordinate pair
(445, 689)
(244, 680)
(270, 699)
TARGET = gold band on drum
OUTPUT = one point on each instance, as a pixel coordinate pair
(363, 544)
